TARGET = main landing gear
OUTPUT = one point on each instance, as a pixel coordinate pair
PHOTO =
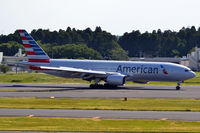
(178, 85)
(100, 86)
(96, 86)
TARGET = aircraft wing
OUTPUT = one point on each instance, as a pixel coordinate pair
(76, 70)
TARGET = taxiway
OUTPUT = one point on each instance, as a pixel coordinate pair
(83, 91)
(108, 114)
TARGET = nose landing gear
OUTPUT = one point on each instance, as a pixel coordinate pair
(178, 85)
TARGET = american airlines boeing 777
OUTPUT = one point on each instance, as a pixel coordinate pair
(113, 73)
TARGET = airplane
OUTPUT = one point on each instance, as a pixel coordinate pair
(113, 73)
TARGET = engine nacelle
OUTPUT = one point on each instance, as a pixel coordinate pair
(116, 79)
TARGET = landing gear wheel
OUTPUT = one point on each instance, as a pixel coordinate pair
(96, 86)
(178, 87)
(100, 86)
(107, 86)
(91, 86)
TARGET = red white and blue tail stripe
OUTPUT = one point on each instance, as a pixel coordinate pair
(34, 52)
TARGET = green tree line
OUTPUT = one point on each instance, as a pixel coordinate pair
(72, 43)
(99, 44)
(163, 44)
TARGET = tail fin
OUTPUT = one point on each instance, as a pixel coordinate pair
(34, 52)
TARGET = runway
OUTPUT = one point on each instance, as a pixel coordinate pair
(108, 114)
(83, 91)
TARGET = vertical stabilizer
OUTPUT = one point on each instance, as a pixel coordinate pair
(33, 51)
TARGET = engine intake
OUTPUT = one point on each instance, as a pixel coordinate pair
(116, 79)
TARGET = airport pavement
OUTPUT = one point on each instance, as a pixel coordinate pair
(109, 114)
(83, 91)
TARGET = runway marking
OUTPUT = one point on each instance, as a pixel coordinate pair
(30, 115)
(164, 119)
(97, 118)
(52, 97)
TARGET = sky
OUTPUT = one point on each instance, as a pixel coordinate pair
(114, 16)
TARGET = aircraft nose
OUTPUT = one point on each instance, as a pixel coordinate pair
(192, 74)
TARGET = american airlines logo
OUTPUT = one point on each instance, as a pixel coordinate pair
(139, 69)
(164, 70)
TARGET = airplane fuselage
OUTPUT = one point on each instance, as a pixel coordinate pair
(135, 70)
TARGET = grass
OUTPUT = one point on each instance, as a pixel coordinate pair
(142, 104)
(94, 124)
(35, 78)
(44, 78)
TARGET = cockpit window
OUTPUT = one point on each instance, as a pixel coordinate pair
(187, 70)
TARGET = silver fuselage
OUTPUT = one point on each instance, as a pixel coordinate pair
(134, 70)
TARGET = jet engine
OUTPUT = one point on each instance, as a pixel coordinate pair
(116, 79)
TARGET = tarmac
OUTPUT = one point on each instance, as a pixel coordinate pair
(100, 114)
(83, 91)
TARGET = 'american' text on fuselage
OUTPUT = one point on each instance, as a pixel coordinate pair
(138, 69)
